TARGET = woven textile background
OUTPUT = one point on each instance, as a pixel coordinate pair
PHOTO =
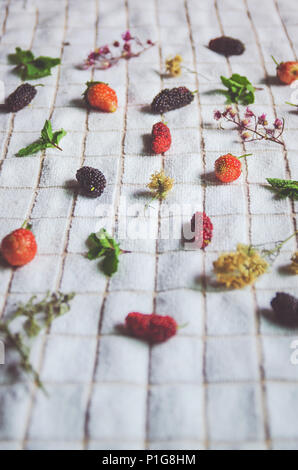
(226, 380)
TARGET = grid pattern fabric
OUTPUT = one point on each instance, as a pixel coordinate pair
(225, 381)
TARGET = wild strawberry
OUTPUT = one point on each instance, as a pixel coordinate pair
(287, 72)
(152, 328)
(19, 247)
(100, 96)
(228, 167)
(161, 138)
(202, 228)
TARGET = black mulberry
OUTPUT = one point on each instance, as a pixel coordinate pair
(20, 98)
(167, 99)
(285, 307)
(226, 46)
(91, 181)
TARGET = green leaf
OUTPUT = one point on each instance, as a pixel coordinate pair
(284, 188)
(110, 263)
(103, 245)
(47, 132)
(239, 89)
(48, 140)
(57, 136)
(20, 57)
(31, 149)
(30, 68)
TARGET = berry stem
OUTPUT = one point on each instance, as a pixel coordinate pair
(57, 147)
(275, 61)
(246, 155)
(291, 104)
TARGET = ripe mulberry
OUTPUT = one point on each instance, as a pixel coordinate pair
(20, 98)
(170, 99)
(161, 138)
(227, 46)
(285, 307)
(152, 328)
(91, 181)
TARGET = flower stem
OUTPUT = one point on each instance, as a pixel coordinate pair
(291, 104)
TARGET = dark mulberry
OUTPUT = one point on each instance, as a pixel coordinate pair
(20, 98)
(202, 228)
(167, 99)
(227, 46)
(285, 307)
(91, 181)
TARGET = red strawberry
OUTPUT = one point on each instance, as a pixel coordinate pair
(100, 96)
(19, 247)
(228, 167)
(287, 72)
(152, 328)
(202, 228)
(161, 138)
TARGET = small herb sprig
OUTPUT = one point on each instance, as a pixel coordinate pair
(105, 247)
(48, 139)
(284, 188)
(240, 90)
(252, 127)
(37, 315)
(30, 67)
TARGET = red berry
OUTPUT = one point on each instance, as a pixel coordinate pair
(19, 247)
(152, 328)
(161, 138)
(287, 72)
(100, 96)
(202, 228)
(227, 168)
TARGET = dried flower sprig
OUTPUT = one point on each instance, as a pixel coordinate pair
(293, 268)
(37, 315)
(160, 185)
(252, 127)
(106, 56)
(173, 66)
(246, 264)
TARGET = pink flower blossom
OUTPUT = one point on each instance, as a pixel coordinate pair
(249, 113)
(245, 135)
(278, 123)
(217, 115)
(262, 120)
(127, 36)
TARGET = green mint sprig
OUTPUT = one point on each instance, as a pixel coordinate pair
(36, 315)
(240, 90)
(29, 67)
(284, 188)
(105, 247)
(48, 139)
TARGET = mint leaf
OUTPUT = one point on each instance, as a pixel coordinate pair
(57, 136)
(110, 263)
(284, 188)
(104, 246)
(47, 133)
(20, 57)
(48, 140)
(240, 90)
(29, 67)
(31, 149)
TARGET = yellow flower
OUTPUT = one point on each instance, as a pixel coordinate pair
(173, 65)
(239, 268)
(293, 268)
(160, 185)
